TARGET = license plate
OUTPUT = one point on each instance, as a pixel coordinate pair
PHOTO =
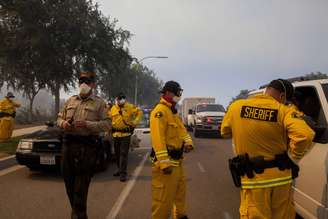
(48, 160)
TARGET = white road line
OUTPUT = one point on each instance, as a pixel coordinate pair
(10, 169)
(142, 148)
(6, 158)
(201, 168)
(126, 191)
(226, 215)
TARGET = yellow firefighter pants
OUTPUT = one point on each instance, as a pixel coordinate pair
(168, 193)
(6, 128)
(267, 203)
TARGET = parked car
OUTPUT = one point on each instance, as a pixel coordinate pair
(141, 134)
(311, 188)
(42, 150)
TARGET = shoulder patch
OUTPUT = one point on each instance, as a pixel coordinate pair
(158, 115)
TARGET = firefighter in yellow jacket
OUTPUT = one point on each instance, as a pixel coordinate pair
(7, 114)
(270, 138)
(125, 117)
(169, 140)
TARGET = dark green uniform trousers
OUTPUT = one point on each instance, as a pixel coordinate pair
(121, 147)
(78, 167)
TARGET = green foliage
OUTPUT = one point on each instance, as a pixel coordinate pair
(46, 43)
(316, 76)
(9, 147)
(148, 86)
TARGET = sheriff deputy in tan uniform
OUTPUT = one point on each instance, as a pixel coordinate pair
(270, 138)
(170, 140)
(83, 117)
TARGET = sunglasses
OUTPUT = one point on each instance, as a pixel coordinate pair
(85, 80)
(179, 93)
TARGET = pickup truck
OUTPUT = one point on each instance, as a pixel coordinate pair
(311, 188)
(207, 119)
(188, 108)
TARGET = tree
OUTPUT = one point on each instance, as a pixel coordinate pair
(316, 76)
(148, 86)
(42, 40)
(19, 60)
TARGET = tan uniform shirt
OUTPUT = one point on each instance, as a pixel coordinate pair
(93, 110)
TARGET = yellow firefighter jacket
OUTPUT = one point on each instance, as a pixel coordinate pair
(124, 117)
(261, 126)
(167, 132)
(8, 106)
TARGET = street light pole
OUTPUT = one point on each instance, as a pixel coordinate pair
(138, 68)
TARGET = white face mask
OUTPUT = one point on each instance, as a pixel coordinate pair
(84, 89)
(11, 98)
(121, 102)
(176, 99)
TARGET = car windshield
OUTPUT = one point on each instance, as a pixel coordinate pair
(210, 108)
(144, 122)
(325, 90)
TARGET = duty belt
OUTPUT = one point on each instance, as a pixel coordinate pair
(173, 154)
(125, 130)
(242, 165)
(4, 114)
(88, 139)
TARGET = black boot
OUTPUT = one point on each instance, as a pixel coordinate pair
(123, 178)
(116, 173)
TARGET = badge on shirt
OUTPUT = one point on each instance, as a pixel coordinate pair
(158, 115)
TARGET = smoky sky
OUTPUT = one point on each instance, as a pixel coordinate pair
(218, 47)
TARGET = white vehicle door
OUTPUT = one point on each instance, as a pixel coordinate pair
(310, 188)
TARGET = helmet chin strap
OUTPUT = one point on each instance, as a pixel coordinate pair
(285, 91)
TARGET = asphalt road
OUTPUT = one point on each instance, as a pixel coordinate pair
(25, 194)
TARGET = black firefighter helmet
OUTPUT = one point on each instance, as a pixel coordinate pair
(174, 87)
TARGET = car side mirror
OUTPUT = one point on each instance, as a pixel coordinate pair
(321, 135)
